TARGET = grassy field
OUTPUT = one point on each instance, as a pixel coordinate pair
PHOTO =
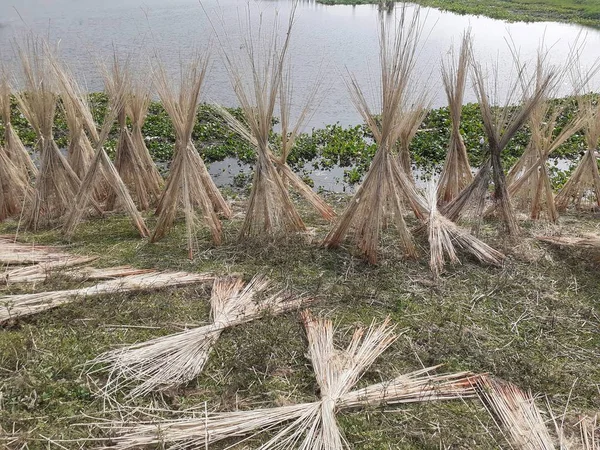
(533, 322)
(585, 12)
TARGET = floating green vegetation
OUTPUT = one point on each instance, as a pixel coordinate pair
(351, 148)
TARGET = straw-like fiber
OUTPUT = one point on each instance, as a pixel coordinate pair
(286, 173)
(444, 236)
(13, 147)
(516, 414)
(306, 425)
(582, 189)
(456, 174)
(15, 189)
(386, 186)
(256, 76)
(102, 172)
(56, 183)
(16, 253)
(15, 306)
(65, 267)
(189, 186)
(169, 361)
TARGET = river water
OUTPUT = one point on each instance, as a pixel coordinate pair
(334, 40)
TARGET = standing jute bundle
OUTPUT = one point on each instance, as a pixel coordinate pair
(501, 123)
(583, 186)
(56, 183)
(15, 189)
(189, 186)
(256, 77)
(289, 134)
(132, 159)
(306, 425)
(169, 361)
(13, 147)
(101, 173)
(456, 174)
(528, 180)
(386, 185)
(139, 160)
(80, 151)
(414, 112)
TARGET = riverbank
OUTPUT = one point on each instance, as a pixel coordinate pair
(583, 12)
(517, 322)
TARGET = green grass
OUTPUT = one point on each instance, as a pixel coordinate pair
(585, 12)
(533, 322)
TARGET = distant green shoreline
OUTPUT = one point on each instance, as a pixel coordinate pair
(582, 12)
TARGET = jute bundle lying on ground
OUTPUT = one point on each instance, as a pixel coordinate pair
(589, 240)
(132, 159)
(14, 306)
(189, 186)
(169, 361)
(456, 174)
(101, 172)
(307, 425)
(386, 185)
(500, 125)
(56, 184)
(14, 148)
(523, 424)
(42, 271)
(444, 236)
(256, 77)
(15, 253)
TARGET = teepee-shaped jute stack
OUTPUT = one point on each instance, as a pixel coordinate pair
(386, 185)
(189, 186)
(80, 151)
(15, 163)
(15, 189)
(307, 425)
(456, 174)
(528, 180)
(414, 114)
(256, 77)
(501, 123)
(139, 160)
(169, 361)
(56, 183)
(101, 173)
(132, 159)
(583, 187)
(13, 147)
(289, 134)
